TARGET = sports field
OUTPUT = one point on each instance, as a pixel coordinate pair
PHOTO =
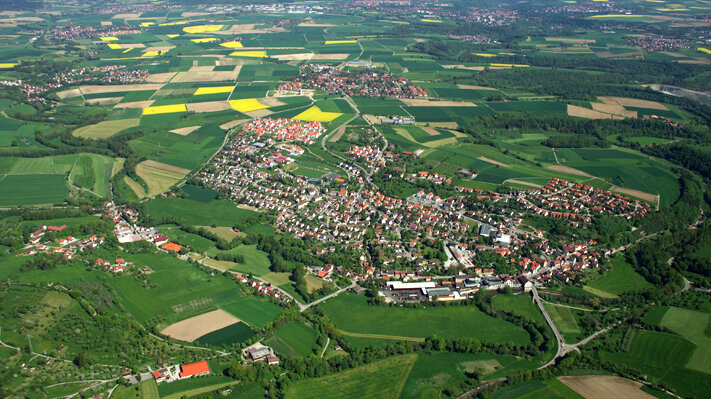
(383, 379)
(351, 313)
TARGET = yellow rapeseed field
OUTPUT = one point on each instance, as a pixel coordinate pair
(202, 28)
(144, 24)
(246, 105)
(704, 50)
(213, 90)
(164, 109)
(232, 45)
(109, 38)
(7, 65)
(315, 114)
(128, 49)
(485, 55)
(339, 41)
(431, 20)
(150, 54)
(172, 36)
(255, 54)
(204, 40)
(173, 23)
(114, 46)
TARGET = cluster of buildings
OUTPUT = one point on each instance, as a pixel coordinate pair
(181, 371)
(368, 153)
(260, 353)
(473, 38)
(263, 288)
(655, 43)
(561, 199)
(74, 32)
(355, 83)
(284, 129)
(126, 229)
(67, 246)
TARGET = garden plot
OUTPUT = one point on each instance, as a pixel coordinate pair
(195, 327)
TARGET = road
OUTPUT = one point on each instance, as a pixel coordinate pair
(327, 297)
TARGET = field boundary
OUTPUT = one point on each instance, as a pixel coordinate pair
(381, 336)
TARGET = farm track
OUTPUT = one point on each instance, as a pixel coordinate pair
(381, 336)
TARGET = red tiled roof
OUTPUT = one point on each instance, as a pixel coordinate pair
(194, 368)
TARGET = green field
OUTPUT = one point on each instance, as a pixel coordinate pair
(32, 189)
(550, 389)
(662, 357)
(620, 279)
(293, 339)
(220, 212)
(149, 389)
(238, 332)
(352, 314)
(179, 388)
(694, 326)
(256, 262)
(256, 312)
(519, 305)
(383, 379)
(565, 319)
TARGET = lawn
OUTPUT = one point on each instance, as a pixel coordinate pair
(293, 339)
(692, 325)
(622, 278)
(179, 289)
(564, 318)
(519, 305)
(662, 358)
(351, 313)
(256, 312)
(32, 189)
(383, 380)
(220, 213)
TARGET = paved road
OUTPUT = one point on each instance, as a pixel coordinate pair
(327, 297)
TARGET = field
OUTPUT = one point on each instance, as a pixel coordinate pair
(32, 189)
(315, 114)
(565, 319)
(159, 177)
(352, 314)
(383, 379)
(218, 212)
(519, 305)
(293, 339)
(247, 105)
(234, 333)
(164, 109)
(105, 129)
(195, 327)
(256, 312)
(622, 278)
(692, 325)
(603, 386)
(552, 389)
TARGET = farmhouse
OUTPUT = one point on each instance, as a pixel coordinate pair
(194, 369)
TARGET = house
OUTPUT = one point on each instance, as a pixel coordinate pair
(194, 369)
(160, 375)
(271, 359)
(173, 247)
(526, 284)
(259, 353)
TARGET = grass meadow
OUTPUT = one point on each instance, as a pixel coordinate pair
(620, 279)
(293, 339)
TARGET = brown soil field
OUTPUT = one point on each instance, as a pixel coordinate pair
(674, 54)
(695, 61)
(240, 29)
(106, 23)
(444, 125)
(460, 66)
(226, 233)
(315, 25)
(294, 57)
(248, 207)
(199, 14)
(231, 124)
(374, 120)
(164, 166)
(604, 386)
(568, 170)
(609, 108)
(430, 130)
(260, 113)
(270, 101)
(131, 45)
(127, 16)
(330, 56)
(524, 183)
(633, 102)
(11, 13)
(574, 110)
(489, 160)
(635, 193)
(104, 101)
(607, 54)
(470, 87)
(160, 77)
(195, 327)
(184, 131)
(69, 93)
(135, 104)
(569, 40)
(206, 75)
(209, 106)
(221, 264)
(89, 89)
(421, 102)
(338, 135)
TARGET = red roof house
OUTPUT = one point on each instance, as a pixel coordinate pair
(194, 369)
